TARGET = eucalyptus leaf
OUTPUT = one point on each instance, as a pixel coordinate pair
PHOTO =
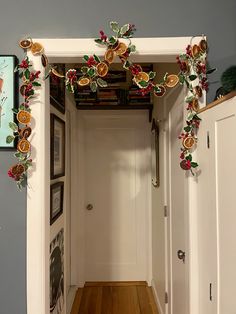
(17, 154)
(27, 74)
(189, 157)
(93, 86)
(143, 84)
(126, 65)
(152, 75)
(124, 29)
(9, 139)
(132, 48)
(36, 84)
(189, 99)
(96, 58)
(13, 126)
(194, 164)
(187, 128)
(99, 41)
(181, 79)
(101, 82)
(86, 58)
(112, 40)
(84, 70)
(91, 72)
(15, 110)
(192, 77)
(114, 26)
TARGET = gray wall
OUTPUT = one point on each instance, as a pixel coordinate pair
(71, 18)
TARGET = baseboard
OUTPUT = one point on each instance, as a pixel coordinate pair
(156, 298)
(70, 298)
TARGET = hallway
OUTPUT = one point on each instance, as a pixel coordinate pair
(114, 298)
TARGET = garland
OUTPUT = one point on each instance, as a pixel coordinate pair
(93, 73)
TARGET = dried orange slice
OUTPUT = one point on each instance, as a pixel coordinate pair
(198, 91)
(121, 49)
(36, 48)
(23, 146)
(142, 76)
(25, 132)
(17, 169)
(189, 142)
(102, 69)
(159, 90)
(195, 105)
(109, 56)
(195, 50)
(83, 81)
(23, 117)
(172, 80)
(54, 71)
(203, 45)
(25, 43)
(44, 60)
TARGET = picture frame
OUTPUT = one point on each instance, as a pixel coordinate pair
(56, 201)
(8, 98)
(57, 89)
(57, 147)
(155, 153)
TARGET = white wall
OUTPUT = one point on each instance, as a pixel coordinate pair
(158, 199)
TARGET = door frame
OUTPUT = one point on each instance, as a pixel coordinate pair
(38, 193)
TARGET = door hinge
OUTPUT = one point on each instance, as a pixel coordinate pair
(165, 211)
(208, 140)
(166, 297)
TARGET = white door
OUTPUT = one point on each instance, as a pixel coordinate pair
(178, 210)
(217, 250)
(117, 179)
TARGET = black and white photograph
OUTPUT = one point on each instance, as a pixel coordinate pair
(56, 201)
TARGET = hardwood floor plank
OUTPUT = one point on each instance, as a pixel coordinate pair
(77, 300)
(107, 301)
(91, 301)
(144, 301)
(125, 300)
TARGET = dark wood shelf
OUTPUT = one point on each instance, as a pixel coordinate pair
(142, 106)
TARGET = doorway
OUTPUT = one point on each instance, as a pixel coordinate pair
(162, 49)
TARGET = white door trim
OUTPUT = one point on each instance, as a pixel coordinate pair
(38, 198)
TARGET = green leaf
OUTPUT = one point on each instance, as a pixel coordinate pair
(210, 71)
(189, 157)
(17, 154)
(124, 29)
(84, 70)
(91, 72)
(99, 41)
(112, 40)
(196, 117)
(189, 99)
(181, 79)
(187, 128)
(143, 83)
(13, 126)
(27, 74)
(194, 164)
(126, 65)
(101, 82)
(21, 75)
(97, 59)
(86, 58)
(192, 77)
(36, 84)
(132, 48)
(93, 86)
(152, 75)
(10, 139)
(114, 26)
(15, 110)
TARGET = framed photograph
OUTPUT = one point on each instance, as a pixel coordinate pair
(57, 88)
(8, 98)
(56, 201)
(155, 154)
(57, 273)
(57, 147)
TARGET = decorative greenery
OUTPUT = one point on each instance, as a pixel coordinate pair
(193, 74)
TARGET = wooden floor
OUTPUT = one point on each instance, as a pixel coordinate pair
(114, 298)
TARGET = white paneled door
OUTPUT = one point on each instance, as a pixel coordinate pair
(117, 178)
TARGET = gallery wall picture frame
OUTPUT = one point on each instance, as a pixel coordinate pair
(8, 98)
(57, 88)
(155, 153)
(56, 201)
(57, 147)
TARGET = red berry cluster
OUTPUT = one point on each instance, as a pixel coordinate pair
(103, 36)
(91, 61)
